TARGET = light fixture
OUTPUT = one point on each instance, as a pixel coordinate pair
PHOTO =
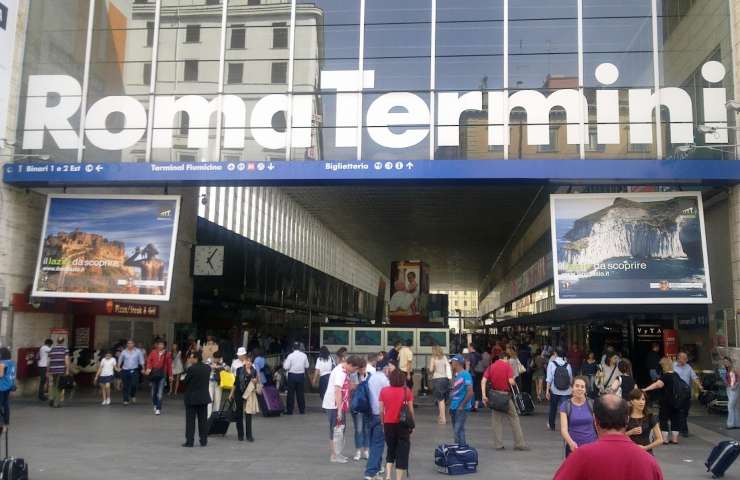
(21, 156)
(712, 128)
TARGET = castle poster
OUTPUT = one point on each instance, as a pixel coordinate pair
(629, 248)
(114, 246)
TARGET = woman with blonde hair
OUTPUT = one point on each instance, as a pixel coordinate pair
(670, 415)
(439, 369)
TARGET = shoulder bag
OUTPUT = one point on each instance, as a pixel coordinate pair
(498, 401)
(406, 418)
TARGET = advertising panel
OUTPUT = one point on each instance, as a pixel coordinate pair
(114, 246)
(409, 292)
(631, 248)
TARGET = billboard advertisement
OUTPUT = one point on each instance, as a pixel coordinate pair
(629, 248)
(409, 291)
(111, 246)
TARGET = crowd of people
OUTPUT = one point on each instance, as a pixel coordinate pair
(594, 404)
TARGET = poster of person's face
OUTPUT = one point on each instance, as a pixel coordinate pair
(405, 288)
(112, 246)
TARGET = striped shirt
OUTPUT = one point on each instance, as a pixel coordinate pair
(57, 364)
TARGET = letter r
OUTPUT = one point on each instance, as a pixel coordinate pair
(41, 117)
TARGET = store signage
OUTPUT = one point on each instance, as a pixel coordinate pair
(649, 333)
(698, 322)
(131, 309)
(398, 119)
(631, 248)
(119, 247)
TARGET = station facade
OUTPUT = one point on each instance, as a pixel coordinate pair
(586, 96)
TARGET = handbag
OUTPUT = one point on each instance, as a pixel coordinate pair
(156, 374)
(520, 368)
(406, 419)
(498, 401)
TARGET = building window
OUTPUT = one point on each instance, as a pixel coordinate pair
(186, 157)
(184, 123)
(279, 72)
(213, 2)
(465, 303)
(238, 37)
(280, 35)
(254, 2)
(593, 142)
(553, 146)
(192, 34)
(638, 147)
(191, 70)
(495, 148)
(149, 34)
(147, 75)
(236, 71)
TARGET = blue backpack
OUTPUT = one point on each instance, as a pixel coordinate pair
(360, 402)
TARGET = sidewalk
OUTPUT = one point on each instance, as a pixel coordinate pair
(85, 440)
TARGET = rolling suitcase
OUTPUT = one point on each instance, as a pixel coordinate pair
(12, 468)
(522, 401)
(270, 403)
(218, 423)
(721, 458)
(454, 459)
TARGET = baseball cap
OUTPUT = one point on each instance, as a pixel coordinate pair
(241, 351)
(458, 358)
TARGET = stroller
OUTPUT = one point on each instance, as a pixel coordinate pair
(714, 397)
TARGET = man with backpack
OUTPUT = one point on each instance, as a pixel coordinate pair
(377, 382)
(559, 380)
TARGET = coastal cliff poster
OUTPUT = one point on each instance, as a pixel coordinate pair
(629, 248)
(107, 246)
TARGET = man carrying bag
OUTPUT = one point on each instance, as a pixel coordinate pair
(498, 398)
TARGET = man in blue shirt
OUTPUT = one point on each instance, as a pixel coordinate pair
(130, 360)
(377, 382)
(682, 368)
(461, 398)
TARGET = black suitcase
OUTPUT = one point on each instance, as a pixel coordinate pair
(218, 423)
(721, 457)
(12, 468)
(522, 401)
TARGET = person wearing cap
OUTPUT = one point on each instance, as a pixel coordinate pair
(461, 397)
(295, 365)
(501, 376)
(244, 394)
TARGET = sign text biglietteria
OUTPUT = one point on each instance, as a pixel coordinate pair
(395, 120)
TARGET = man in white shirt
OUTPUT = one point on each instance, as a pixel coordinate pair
(42, 364)
(334, 396)
(295, 367)
(372, 361)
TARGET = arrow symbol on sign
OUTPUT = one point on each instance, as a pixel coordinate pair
(99, 168)
(271, 167)
(409, 165)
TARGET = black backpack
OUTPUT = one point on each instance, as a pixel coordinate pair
(561, 377)
(681, 390)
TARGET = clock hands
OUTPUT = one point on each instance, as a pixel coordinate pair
(208, 261)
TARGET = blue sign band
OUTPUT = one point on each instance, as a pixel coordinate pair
(306, 172)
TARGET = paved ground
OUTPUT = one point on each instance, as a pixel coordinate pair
(85, 440)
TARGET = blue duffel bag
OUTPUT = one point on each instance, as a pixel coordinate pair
(454, 459)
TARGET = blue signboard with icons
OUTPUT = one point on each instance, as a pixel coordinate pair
(281, 172)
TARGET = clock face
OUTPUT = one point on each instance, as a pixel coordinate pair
(209, 260)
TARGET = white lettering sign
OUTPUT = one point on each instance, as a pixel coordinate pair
(394, 120)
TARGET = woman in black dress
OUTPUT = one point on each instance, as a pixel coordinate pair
(642, 423)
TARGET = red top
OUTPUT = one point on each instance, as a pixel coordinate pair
(163, 361)
(499, 374)
(392, 399)
(614, 457)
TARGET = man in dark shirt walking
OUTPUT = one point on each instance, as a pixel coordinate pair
(614, 456)
(197, 399)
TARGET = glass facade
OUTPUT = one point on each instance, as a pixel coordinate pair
(377, 80)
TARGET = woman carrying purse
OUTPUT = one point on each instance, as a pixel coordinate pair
(244, 395)
(397, 413)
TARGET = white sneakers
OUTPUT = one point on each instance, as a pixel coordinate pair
(358, 455)
(157, 412)
(339, 459)
(105, 402)
(366, 454)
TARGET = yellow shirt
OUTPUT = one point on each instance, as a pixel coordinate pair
(405, 359)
